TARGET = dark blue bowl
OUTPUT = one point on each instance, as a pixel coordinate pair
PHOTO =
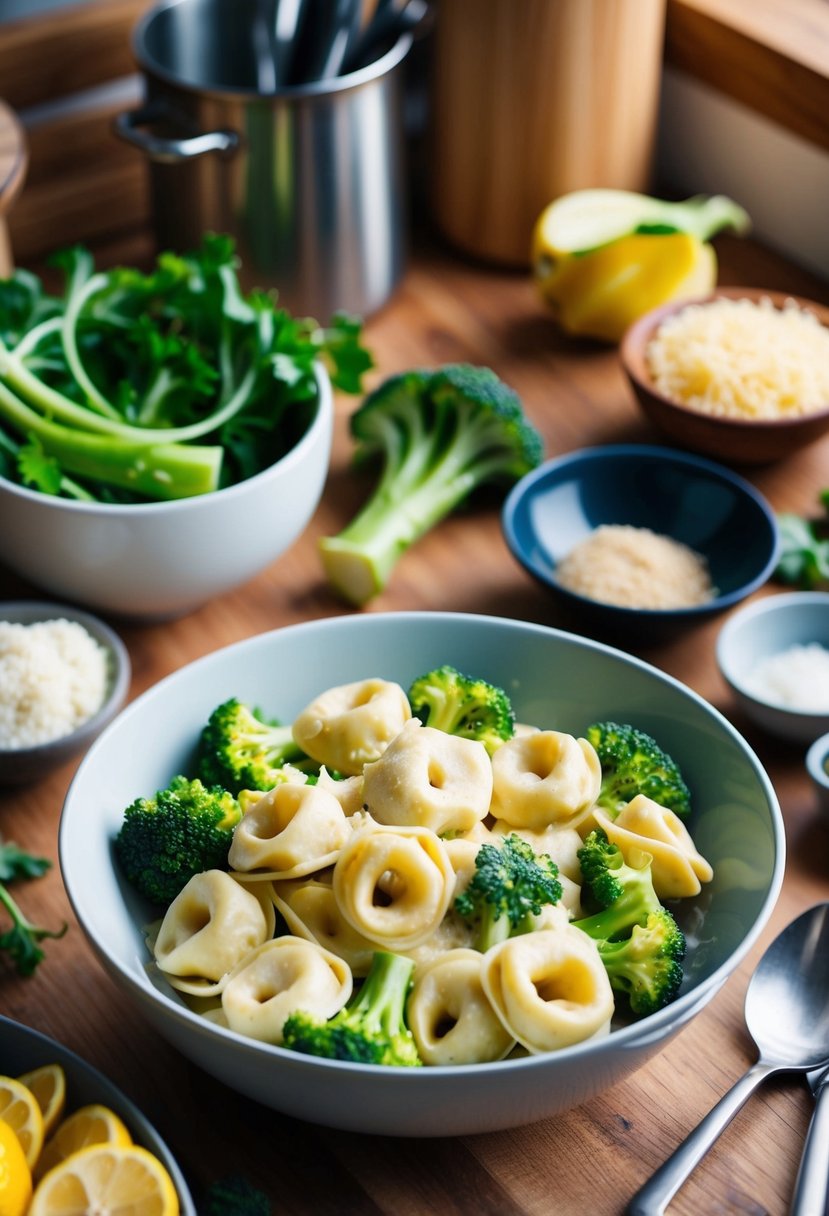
(693, 500)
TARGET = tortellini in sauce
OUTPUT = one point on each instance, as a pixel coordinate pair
(353, 724)
(279, 978)
(394, 885)
(212, 923)
(311, 910)
(677, 869)
(427, 778)
(290, 831)
(549, 988)
(545, 777)
(450, 1015)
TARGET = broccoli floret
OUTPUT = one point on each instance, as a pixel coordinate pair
(463, 705)
(440, 435)
(371, 1028)
(647, 966)
(634, 763)
(510, 886)
(240, 749)
(183, 830)
(22, 940)
(639, 942)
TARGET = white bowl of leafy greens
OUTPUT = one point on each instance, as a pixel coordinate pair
(163, 435)
(555, 681)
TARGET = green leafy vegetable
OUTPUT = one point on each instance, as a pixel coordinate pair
(157, 385)
(804, 551)
(21, 941)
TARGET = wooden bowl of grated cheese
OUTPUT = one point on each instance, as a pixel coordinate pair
(741, 375)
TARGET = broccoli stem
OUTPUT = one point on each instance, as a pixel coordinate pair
(416, 490)
(159, 470)
(380, 1005)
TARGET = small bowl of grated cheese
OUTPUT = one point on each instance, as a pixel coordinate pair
(64, 674)
(774, 656)
(741, 375)
(640, 542)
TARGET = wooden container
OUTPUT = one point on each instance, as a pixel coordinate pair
(13, 157)
(535, 98)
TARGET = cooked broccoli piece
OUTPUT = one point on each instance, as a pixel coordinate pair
(181, 831)
(371, 1028)
(440, 434)
(634, 763)
(463, 705)
(639, 942)
(22, 941)
(510, 886)
(240, 749)
(647, 966)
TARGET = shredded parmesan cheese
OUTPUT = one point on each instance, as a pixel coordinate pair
(741, 359)
(797, 678)
(636, 568)
(53, 678)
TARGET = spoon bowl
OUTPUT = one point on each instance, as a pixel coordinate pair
(787, 1016)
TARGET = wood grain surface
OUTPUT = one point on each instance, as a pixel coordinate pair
(591, 1160)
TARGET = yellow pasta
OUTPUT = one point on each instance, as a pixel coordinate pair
(427, 778)
(544, 778)
(290, 831)
(450, 1015)
(678, 870)
(310, 910)
(351, 725)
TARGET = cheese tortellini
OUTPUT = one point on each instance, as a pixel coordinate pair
(545, 777)
(427, 778)
(353, 724)
(370, 852)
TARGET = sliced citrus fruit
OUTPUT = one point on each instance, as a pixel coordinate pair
(89, 1125)
(19, 1108)
(48, 1084)
(116, 1179)
(15, 1175)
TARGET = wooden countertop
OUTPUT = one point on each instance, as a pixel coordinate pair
(591, 1160)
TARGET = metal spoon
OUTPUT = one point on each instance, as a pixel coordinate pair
(787, 1016)
(812, 1186)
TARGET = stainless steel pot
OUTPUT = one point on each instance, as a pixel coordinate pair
(309, 180)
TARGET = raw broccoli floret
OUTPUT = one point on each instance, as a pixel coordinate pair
(463, 705)
(639, 942)
(21, 941)
(440, 435)
(371, 1028)
(634, 763)
(183, 830)
(511, 885)
(240, 749)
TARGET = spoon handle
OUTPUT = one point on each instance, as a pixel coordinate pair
(661, 1187)
(812, 1185)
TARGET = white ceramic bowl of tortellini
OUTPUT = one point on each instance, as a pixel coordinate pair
(558, 683)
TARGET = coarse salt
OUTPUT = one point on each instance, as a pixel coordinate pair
(797, 678)
(53, 678)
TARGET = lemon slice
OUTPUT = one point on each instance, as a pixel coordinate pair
(15, 1175)
(48, 1084)
(87, 1126)
(19, 1108)
(116, 1179)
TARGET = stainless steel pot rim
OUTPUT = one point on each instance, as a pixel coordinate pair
(318, 88)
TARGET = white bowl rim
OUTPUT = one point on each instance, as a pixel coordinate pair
(36, 611)
(318, 424)
(779, 602)
(656, 1025)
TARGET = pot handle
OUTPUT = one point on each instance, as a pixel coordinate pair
(133, 125)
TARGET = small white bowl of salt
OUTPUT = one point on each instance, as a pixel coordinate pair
(774, 656)
(64, 674)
